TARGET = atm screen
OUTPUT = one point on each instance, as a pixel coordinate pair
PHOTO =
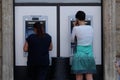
(29, 27)
(88, 22)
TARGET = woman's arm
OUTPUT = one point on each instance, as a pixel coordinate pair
(50, 47)
(73, 35)
(25, 48)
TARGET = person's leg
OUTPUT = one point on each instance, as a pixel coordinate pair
(42, 73)
(89, 77)
(31, 73)
(79, 76)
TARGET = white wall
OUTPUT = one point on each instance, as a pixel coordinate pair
(21, 11)
(50, 11)
(65, 12)
(59, 1)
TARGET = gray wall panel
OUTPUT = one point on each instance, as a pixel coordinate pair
(58, 1)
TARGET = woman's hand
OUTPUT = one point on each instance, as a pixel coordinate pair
(25, 48)
(51, 46)
(75, 23)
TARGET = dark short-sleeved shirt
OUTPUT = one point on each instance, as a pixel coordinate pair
(38, 49)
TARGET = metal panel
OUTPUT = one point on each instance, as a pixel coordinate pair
(65, 12)
(58, 1)
(20, 12)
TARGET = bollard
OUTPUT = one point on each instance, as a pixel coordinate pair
(61, 68)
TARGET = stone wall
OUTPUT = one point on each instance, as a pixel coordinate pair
(7, 40)
(118, 26)
(109, 39)
(0, 41)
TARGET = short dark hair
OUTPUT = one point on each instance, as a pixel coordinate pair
(80, 15)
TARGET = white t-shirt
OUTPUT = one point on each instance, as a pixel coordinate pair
(84, 34)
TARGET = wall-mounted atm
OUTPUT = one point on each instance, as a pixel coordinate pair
(93, 18)
(25, 17)
(28, 25)
(89, 21)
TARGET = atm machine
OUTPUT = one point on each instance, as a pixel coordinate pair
(28, 25)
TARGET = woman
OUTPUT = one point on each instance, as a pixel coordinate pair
(38, 46)
(83, 60)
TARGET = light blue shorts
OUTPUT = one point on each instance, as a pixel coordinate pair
(83, 60)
